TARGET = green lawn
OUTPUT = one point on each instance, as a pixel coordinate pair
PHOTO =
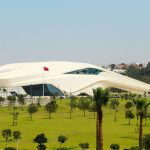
(78, 129)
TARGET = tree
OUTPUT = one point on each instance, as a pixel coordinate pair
(128, 106)
(136, 106)
(1, 100)
(146, 112)
(40, 139)
(146, 141)
(51, 107)
(5, 93)
(115, 146)
(101, 98)
(32, 108)
(84, 104)
(129, 115)
(92, 107)
(140, 105)
(114, 105)
(17, 137)
(15, 118)
(84, 146)
(21, 99)
(62, 139)
(6, 134)
(112, 66)
(12, 100)
(73, 104)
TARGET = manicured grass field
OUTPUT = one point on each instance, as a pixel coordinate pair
(78, 129)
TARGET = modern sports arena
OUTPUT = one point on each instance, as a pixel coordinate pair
(64, 78)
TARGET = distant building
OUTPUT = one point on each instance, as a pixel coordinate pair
(122, 66)
(138, 65)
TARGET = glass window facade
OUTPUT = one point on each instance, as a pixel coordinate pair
(37, 90)
(88, 71)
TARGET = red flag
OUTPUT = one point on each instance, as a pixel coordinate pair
(46, 69)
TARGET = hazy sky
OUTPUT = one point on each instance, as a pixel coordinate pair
(94, 31)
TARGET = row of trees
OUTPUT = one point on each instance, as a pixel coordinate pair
(41, 140)
(20, 98)
(142, 74)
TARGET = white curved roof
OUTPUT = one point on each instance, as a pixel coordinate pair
(22, 74)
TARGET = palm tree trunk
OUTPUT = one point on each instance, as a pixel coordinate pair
(137, 118)
(141, 132)
(17, 144)
(99, 134)
(6, 142)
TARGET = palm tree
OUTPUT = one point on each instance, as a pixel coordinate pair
(129, 115)
(21, 99)
(17, 137)
(141, 103)
(101, 97)
(135, 101)
(114, 105)
(6, 134)
(146, 112)
(128, 106)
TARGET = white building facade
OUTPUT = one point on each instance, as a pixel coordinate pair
(64, 78)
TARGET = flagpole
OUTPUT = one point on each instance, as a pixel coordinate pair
(44, 69)
(43, 81)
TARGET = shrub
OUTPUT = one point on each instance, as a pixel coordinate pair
(9, 148)
(146, 141)
(115, 146)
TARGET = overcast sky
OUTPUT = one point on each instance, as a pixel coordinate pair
(94, 31)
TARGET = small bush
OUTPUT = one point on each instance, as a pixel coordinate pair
(115, 146)
(9, 148)
(134, 148)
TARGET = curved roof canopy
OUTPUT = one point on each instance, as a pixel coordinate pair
(67, 77)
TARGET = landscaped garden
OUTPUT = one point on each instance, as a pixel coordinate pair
(78, 129)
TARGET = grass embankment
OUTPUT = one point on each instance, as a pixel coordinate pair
(78, 129)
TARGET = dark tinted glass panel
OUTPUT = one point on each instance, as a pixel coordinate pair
(37, 90)
(89, 71)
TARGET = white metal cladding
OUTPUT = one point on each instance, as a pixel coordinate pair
(22, 74)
